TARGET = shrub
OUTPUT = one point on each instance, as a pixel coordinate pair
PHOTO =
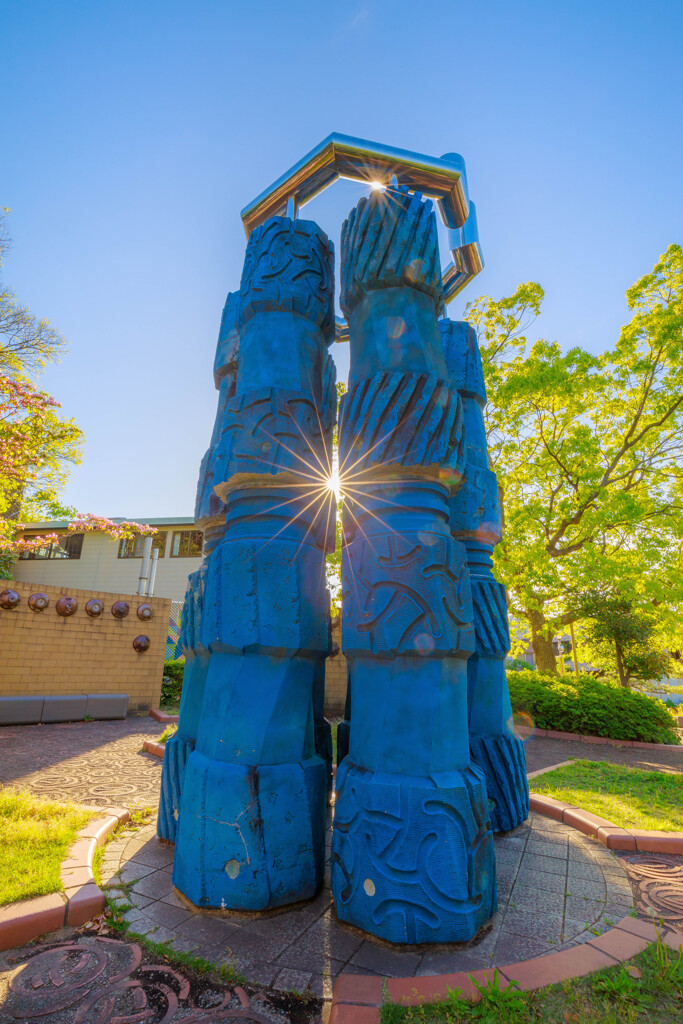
(590, 706)
(172, 685)
(518, 665)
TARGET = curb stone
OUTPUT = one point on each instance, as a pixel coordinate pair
(634, 840)
(157, 749)
(161, 716)
(357, 998)
(81, 899)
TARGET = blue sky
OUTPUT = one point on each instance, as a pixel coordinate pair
(134, 132)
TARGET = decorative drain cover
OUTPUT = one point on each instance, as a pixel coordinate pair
(101, 980)
(658, 884)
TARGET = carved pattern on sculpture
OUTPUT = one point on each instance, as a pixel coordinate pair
(409, 852)
(283, 271)
(404, 418)
(405, 597)
(272, 431)
(390, 240)
(490, 616)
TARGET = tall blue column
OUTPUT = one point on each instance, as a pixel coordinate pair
(210, 519)
(412, 852)
(476, 521)
(252, 816)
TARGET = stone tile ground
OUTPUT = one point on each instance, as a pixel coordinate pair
(556, 888)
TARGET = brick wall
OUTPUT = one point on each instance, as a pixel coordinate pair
(45, 654)
(335, 679)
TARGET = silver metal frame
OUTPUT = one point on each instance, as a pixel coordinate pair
(341, 156)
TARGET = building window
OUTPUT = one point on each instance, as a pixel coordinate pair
(69, 546)
(133, 547)
(187, 544)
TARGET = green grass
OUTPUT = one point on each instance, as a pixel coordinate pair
(647, 990)
(628, 797)
(169, 731)
(224, 973)
(35, 835)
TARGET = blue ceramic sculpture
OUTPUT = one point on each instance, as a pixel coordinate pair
(251, 828)
(429, 764)
(476, 521)
(210, 518)
(412, 850)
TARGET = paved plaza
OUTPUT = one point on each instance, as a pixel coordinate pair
(102, 763)
(556, 887)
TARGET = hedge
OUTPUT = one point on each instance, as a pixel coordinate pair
(172, 684)
(590, 706)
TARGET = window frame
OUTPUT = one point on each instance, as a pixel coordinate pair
(159, 541)
(51, 548)
(189, 534)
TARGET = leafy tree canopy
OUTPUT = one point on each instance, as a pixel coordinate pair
(589, 455)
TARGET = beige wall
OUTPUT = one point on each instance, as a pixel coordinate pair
(44, 654)
(100, 568)
(335, 679)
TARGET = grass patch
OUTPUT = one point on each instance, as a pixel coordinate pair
(169, 731)
(35, 835)
(117, 906)
(646, 990)
(628, 797)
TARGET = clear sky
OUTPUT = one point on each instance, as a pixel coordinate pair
(134, 131)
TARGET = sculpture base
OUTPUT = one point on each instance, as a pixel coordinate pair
(412, 858)
(172, 772)
(503, 761)
(250, 837)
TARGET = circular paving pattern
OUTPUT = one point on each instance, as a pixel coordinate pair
(97, 763)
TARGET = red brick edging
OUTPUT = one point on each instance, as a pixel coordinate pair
(552, 734)
(358, 998)
(154, 748)
(81, 899)
(161, 716)
(633, 840)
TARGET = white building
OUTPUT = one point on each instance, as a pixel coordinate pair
(94, 561)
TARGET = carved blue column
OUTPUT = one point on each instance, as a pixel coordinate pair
(252, 816)
(210, 518)
(412, 852)
(476, 521)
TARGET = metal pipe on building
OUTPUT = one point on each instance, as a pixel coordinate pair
(144, 568)
(153, 572)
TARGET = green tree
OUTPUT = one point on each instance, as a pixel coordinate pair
(615, 632)
(589, 455)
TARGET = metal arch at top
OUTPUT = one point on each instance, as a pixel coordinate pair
(341, 156)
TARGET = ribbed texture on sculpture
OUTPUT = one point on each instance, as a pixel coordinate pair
(476, 521)
(251, 826)
(412, 852)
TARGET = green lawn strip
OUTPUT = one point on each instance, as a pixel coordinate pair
(628, 797)
(35, 835)
(647, 989)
